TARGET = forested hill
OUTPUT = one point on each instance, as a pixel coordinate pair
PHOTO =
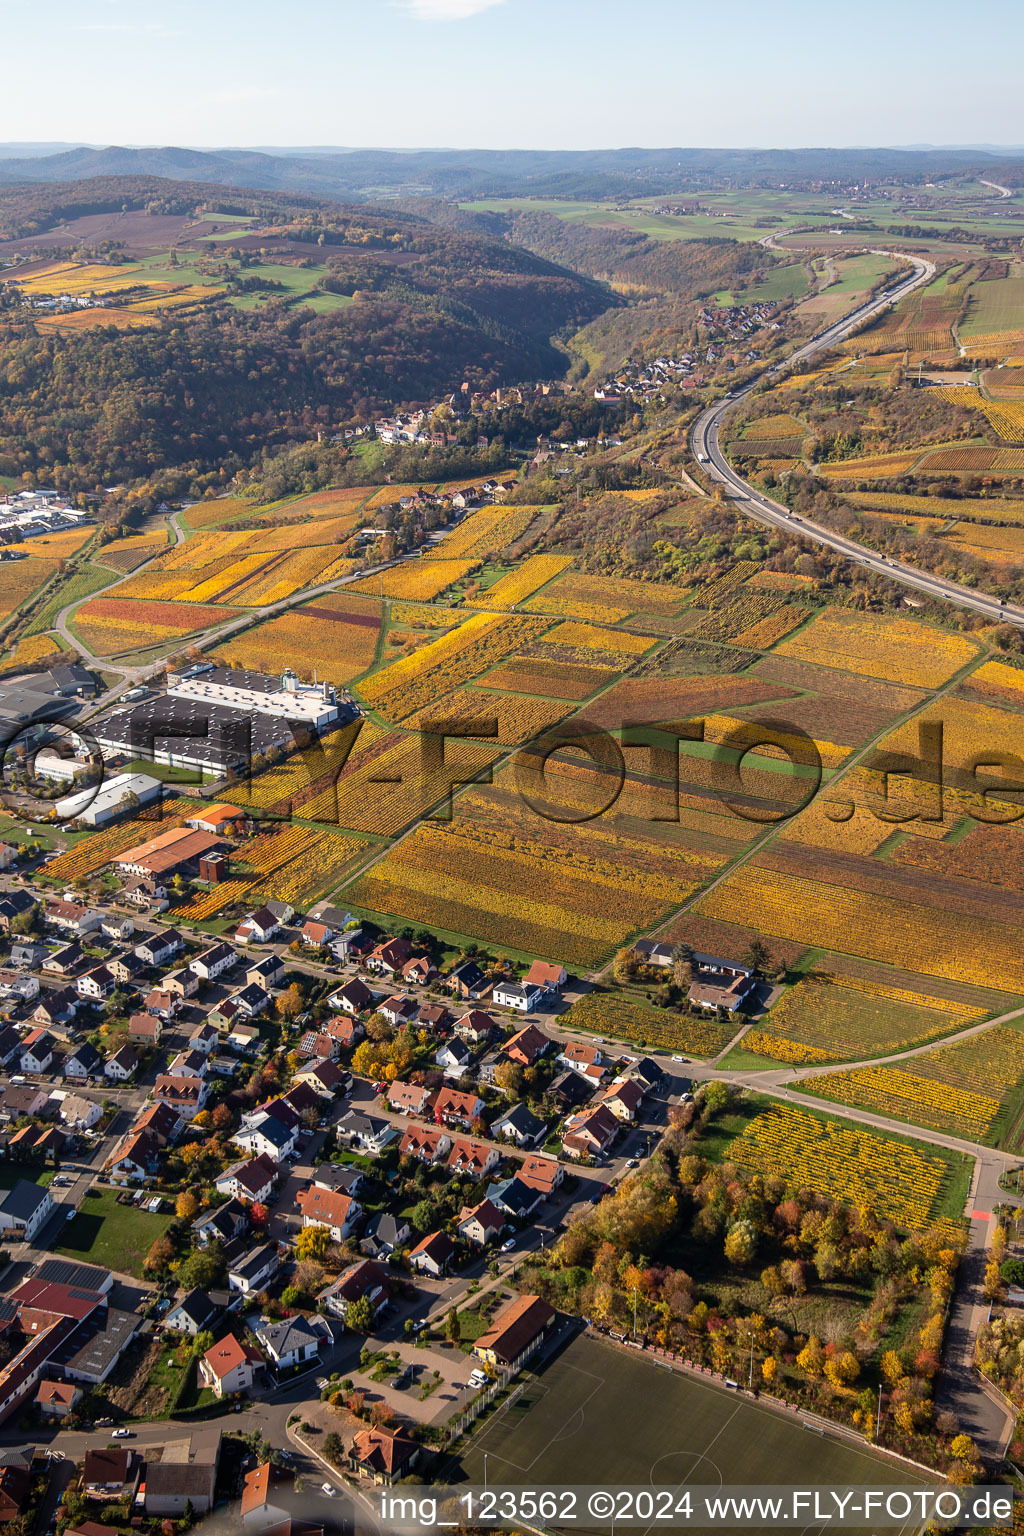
(364, 173)
(313, 315)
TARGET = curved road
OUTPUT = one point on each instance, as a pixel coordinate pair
(705, 445)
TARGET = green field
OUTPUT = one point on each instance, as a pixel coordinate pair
(117, 1236)
(996, 306)
(597, 1415)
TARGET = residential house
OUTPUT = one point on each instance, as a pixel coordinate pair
(159, 949)
(452, 1107)
(367, 1133)
(544, 1174)
(425, 1143)
(24, 1210)
(509, 994)
(37, 1051)
(623, 1098)
(388, 958)
(165, 1005)
(350, 945)
(325, 1079)
(481, 1224)
(519, 1125)
(192, 1314)
(229, 1366)
(65, 960)
(71, 917)
(255, 1270)
(189, 1064)
(475, 1027)
(262, 1505)
(383, 1455)
(454, 1058)
(549, 978)
(344, 1178)
(203, 1038)
(468, 982)
(590, 1133)
(410, 1098)
(647, 1072)
(720, 983)
(476, 1158)
(124, 968)
(27, 954)
(57, 1007)
(252, 1180)
(434, 1017)
(221, 1225)
(385, 1235)
(515, 1333)
(579, 1056)
(353, 997)
(10, 1044)
(326, 1208)
(365, 1278)
(25, 1099)
(344, 1032)
(244, 1038)
(419, 971)
(258, 928)
(96, 984)
(134, 1159)
(144, 892)
(528, 1046)
(515, 1198)
(116, 926)
(291, 1342)
(184, 1480)
(432, 1255)
(267, 1136)
(570, 1090)
(316, 935)
(83, 1061)
(185, 1094)
(80, 1113)
(145, 1029)
(213, 962)
(182, 983)
(15, 1492)
(56, 1399)
(109, 1472)
(399, 1010)
(266, 972)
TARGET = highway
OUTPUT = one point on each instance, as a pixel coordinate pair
(706, 449)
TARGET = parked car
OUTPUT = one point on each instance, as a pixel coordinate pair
(329, 1490)
(507, 1247)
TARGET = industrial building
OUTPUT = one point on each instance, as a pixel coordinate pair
(101, 804)
(221, 719)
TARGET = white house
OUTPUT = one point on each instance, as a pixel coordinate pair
(509, 994)
(291, 1342)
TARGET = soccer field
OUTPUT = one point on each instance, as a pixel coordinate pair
(597, 1415)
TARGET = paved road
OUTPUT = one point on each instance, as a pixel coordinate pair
(706, 447)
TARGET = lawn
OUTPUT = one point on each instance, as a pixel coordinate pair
(117, 1236)
(597, 1415)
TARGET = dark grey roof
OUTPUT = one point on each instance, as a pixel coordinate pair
(196, 1306)
(23, 1200)
(89, 1277)
(522, 1120)
(96, 1344)
(255, 1261)
(291, 1333)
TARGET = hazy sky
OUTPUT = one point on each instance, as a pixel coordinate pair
(512, 73)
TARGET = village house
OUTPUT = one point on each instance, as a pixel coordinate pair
(590, 1133)
(549, 978)
(410, 1098)
(316, 935)
(257, 928)
(468, 982)
(481, 1224)
(454, 1058)
(399, 1010)
(291, 1342)
(432, 1255)
(159, 949)
(252, 1273)
(145, 1029)
(252, 1180)
(337, 1212)
(451, 1107)
(475, 1158)
(192, 1314)
(229, 1366)
(185, 1094)
(388, 958)
(519, 1125)
(353, 997)
(475, 1027)
(122, 1066)
(425, 1143)
(528, 1046)
(365, 1278)
(623, 1098)
(587, 1060)
(267, 972)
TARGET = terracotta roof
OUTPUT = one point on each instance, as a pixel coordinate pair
(326, 1206)
(515, 1328)
(381, 1450)
(226, 1356)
